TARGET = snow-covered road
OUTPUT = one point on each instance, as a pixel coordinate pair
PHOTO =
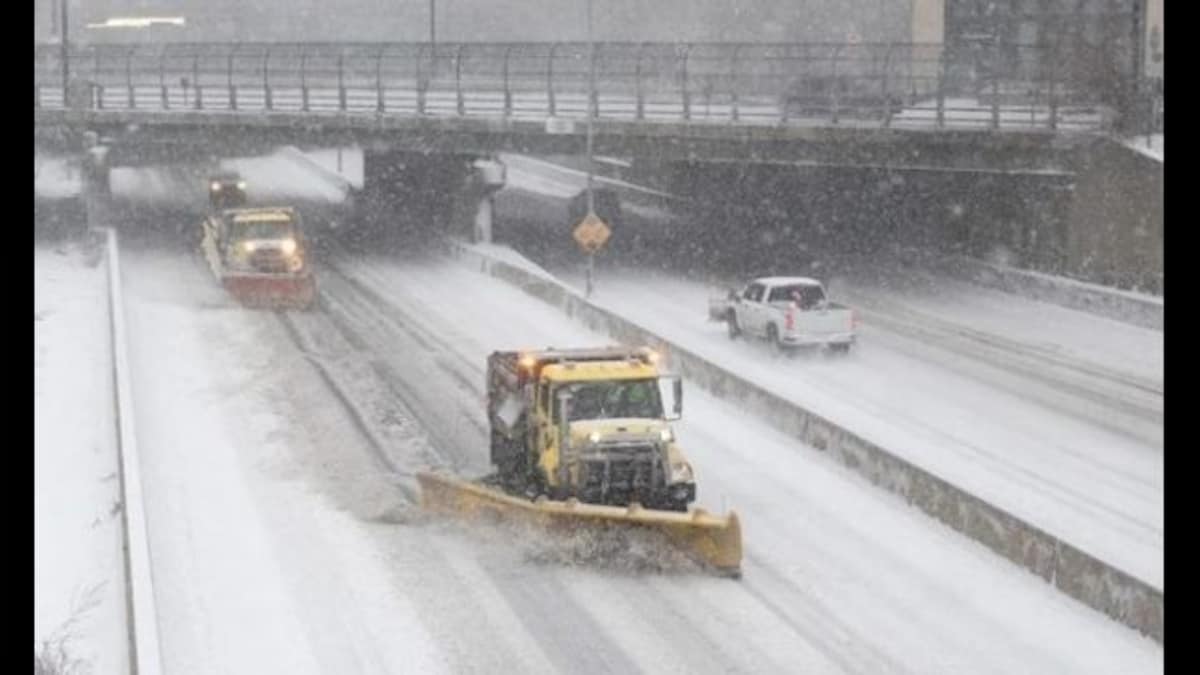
(281, 544)
(970, 422)
(831, 562)
(1050, 413)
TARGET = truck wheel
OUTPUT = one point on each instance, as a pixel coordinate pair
(840, 348)
(773, 339)
(732, 322)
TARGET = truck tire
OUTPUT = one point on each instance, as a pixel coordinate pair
(774, 341)
(734, 329)
(840, 348)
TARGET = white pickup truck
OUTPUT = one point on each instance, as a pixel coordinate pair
(788, 312)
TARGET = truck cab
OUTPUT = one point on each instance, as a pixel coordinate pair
(259, 240)
(590, 424)
(226, 190)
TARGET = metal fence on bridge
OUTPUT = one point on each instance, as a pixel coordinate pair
(882, 85)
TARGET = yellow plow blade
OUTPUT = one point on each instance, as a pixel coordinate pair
(713, 540)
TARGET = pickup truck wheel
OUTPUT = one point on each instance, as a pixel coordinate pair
(773, 339)
(732, 322)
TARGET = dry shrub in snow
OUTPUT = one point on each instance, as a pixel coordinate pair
(53, 655)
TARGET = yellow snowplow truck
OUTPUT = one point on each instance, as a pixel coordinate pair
(260, 256)
(582, 438)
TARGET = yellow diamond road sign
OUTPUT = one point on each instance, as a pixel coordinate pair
(591, 233)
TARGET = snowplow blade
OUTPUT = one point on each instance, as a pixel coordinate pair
(714, 541)
(272, 291)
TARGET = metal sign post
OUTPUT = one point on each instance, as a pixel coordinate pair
(591, 234)
(591, 269)
(66, 53)
(433, 26)
(591, 109)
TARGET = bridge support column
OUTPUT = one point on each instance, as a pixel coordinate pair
(483, 220)
(96, 187)
(478, 196)
(1114, 219)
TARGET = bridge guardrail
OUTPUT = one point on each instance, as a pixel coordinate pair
(878, 84)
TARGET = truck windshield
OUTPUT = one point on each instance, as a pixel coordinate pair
(612, 399)
(261, 229)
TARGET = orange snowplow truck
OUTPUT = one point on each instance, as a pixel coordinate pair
(260, 256)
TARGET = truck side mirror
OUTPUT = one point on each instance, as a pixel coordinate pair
(676, 409)
(564, 433)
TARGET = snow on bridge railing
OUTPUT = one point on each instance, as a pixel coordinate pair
(893, 84)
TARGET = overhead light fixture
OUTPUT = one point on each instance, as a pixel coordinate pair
(139, 22)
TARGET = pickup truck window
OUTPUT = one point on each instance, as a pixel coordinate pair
(805, 296)
(753, 292)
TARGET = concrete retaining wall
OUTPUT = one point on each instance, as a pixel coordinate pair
(1079, 575)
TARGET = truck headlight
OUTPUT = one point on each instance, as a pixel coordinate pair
(214, 186)
(241, 185)
(681, 473)
(666, 435)
(594, 437)
(249, 246)
(288, 246)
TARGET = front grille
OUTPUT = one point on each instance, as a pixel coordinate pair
(621, 475)
(268, 261)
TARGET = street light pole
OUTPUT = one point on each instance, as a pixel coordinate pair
(432, 24)
(591, 107)
(591, 197)
(65, 46)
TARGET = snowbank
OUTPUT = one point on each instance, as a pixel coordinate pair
(79, 592)
(1150, 147)
(56, 178)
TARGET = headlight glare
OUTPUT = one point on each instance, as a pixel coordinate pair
(681, 473)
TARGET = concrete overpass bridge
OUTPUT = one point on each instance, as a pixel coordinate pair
(867, 104)
(977, 123)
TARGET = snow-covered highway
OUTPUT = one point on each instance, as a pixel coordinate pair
(278, 454)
